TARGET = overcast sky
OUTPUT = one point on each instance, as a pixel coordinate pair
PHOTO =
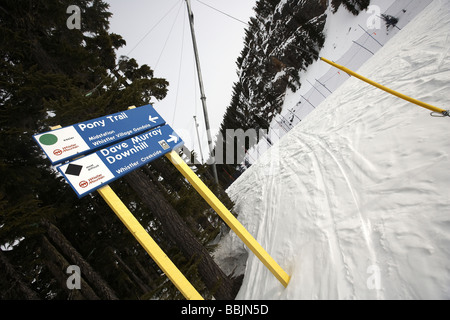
(168, 50)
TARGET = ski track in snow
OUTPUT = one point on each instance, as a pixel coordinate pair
(362, 182)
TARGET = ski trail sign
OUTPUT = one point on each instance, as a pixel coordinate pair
(93, 171)
(116, 158)
(67, 143)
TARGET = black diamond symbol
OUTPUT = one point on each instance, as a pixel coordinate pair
(73, 169)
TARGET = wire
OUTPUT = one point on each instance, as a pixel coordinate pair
(168, 37)
(134, 48)
(230, 16)
(179, 70)
(154, 27)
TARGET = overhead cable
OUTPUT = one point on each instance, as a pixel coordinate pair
(134, 48)
(224, 13)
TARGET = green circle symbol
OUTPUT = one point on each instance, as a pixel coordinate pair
(48, 139)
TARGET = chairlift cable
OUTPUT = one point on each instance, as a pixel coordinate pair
(226, 14)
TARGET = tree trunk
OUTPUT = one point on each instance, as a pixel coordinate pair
(148, 273)
(175, 228)
(139, 283)
(15, 279)
(57, 265)
(103, 289)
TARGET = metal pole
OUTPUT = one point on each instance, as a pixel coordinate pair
(147, 242)
(229, 219)
(308, 101)
(293, 113)
(198, 137)
(316, 89)
(370, 35)
(324, 86)
(363, 47)
(202, 91)
(428, 106)
(150, 245)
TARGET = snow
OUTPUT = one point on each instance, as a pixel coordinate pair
(351, 41)
(354, 202)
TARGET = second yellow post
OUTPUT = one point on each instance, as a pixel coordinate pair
(388, 90)
(229, 219)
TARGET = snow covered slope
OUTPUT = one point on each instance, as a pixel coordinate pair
(354, 203)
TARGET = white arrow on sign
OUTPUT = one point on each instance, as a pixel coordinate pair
(173, 139)
(152, 119)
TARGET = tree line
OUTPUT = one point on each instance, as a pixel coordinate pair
(282, 39)
(52, 75)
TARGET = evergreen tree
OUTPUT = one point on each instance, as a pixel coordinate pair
(282, 39)
(354, 6)
(51, 75)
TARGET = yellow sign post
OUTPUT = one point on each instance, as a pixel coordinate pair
(395, 93)
(147, 242)
(152, 248)
(229, 219)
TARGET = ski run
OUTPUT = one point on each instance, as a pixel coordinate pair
(354, 202)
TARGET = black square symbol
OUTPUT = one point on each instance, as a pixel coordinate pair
(73, 169)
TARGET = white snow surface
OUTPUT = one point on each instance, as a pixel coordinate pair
(354, 202)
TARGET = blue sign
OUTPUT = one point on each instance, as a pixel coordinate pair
(82, 138)
(93, 171)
